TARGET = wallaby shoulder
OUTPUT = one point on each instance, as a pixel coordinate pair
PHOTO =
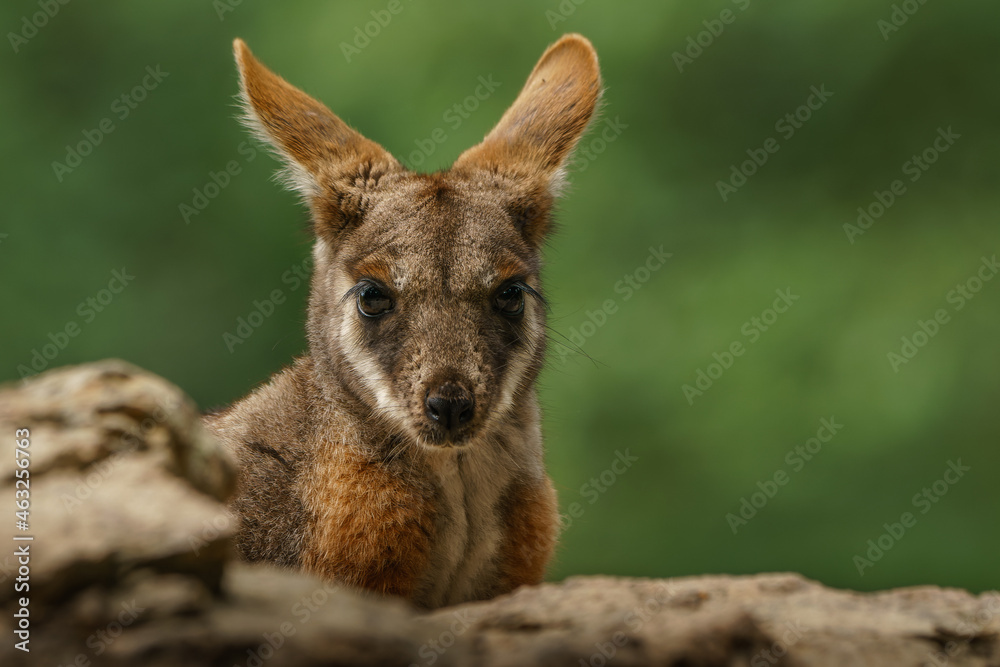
(269, 432)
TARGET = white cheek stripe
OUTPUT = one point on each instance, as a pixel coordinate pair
(361, 360)
(367, 369)
(517, 368)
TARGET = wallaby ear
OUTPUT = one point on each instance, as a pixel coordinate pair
(537, 134)
(324, 157)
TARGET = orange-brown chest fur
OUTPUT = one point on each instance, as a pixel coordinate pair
(436, 526)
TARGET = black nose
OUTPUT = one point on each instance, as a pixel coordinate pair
(450, 405)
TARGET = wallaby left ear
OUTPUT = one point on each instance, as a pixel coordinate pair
(537, 134)
(326, 160)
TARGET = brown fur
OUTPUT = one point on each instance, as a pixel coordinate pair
(530, 535)
(343, 542)
(348, 469)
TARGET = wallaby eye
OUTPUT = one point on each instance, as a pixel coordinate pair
(372, 301)
(510, 301)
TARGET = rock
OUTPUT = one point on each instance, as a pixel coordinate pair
(86, 414)
(759, 620)
(131, 564)
(121, 476)
(259, 615)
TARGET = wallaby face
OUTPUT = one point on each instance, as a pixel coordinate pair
(430, 308)
(426, 331)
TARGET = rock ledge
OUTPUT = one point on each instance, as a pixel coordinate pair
(131, 564)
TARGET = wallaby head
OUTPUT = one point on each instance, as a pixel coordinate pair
(426, 304)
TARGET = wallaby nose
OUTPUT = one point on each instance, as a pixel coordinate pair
(450, 405)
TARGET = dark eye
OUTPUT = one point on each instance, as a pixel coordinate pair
(372, 301)
(510, 301)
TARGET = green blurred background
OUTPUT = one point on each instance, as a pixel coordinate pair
(654, 184)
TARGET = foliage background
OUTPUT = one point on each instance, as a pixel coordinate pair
(654, 185)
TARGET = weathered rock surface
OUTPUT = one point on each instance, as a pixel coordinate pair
(131, 564)
(121, 475)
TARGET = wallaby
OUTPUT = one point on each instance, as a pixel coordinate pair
(404, 454)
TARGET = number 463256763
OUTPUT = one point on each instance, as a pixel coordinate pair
(22, 485)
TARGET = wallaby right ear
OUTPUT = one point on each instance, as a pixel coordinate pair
(537, 134)
(324, 157)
